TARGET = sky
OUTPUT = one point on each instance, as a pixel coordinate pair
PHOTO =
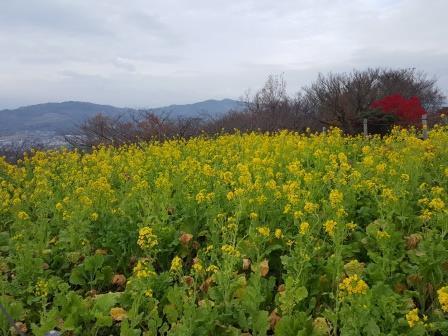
(141, 53)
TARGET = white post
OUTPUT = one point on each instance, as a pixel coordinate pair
(324, 130)
(425, 126)
(364, 127)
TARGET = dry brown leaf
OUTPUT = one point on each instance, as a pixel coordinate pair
(185, 238)
(119, 280)
(118, 314)
(273, 319)
(264, 268)
(246, 264)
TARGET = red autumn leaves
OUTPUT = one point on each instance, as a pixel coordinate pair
(410, 110)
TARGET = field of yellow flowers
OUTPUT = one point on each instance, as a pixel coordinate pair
(247, 234)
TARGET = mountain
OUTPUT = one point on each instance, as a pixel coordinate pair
(207, 108)
(52, 117)
(64, 117)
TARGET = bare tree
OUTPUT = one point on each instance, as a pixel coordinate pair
(16, 151)
(340, 100)
(343, 99)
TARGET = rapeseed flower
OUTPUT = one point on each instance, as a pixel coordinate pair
(437, 204)
(146, 238)
(142, 269)
(278, 233)
(336, 197)
(264, 231)
(176, 264)
(353, 285)
(230, 250)
(310, 207)
(22, 215)
(442, 295)
(412, 317)
(329, 227)
(304, 228)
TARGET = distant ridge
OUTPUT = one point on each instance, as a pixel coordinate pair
(64, 117)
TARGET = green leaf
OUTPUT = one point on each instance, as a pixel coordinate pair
(300, 294)
(104, 302)
(260, 322)
(372, 329)
(77, 276)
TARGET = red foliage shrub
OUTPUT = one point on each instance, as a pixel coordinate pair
(410, 110)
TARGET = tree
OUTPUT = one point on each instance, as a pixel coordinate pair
(343, 100)
(408, 110)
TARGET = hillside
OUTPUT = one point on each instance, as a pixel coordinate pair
(63, 117)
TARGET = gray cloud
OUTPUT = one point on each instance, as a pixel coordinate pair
(140, 53)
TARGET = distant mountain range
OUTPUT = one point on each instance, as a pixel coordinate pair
(63, 117)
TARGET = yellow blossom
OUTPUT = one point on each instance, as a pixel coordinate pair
(212, 269)
(329, 227)
(382, 234)
(230, 250)
(176, 264)
(93, 216)
(437, 204)
(22, 215)
(200, 197)
(264, 231)
(351, 226)
(142, 269)
(304, 228)
(41, 288)
(146, 238)
(336, 197)
(197, 266)
(442, 294)
(278, 233)
(310, 207)
(426, 215)
(148, 293)
(412, 317)
(352, 285)
(298, 214)
(253, 215)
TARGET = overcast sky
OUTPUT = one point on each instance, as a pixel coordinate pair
(142, 53)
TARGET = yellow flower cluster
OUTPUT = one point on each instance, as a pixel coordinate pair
(41, 288)
(329, 227)
(176, 264)
(264, 231)
(336, 197)
(437, 204)
(197, 266)
(310, 207)
(413, 318)
(278, 233)
(230, 250)
(212, 269)
(353, 285)
(22, 215)
(146, 238)
(442, 295)
(381, 234)
(142, 269)
(304, 228)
